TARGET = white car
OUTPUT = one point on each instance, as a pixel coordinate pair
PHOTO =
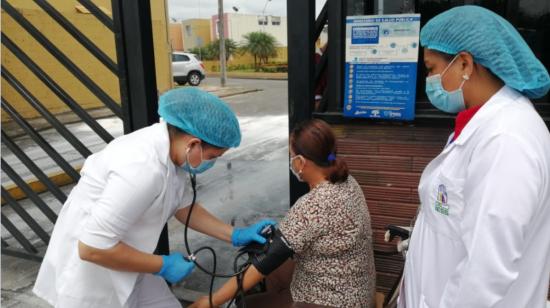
(186, 68)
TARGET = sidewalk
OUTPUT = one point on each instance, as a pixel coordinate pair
(246, 184)
(74, 124)
(40, 124)
(251, 75)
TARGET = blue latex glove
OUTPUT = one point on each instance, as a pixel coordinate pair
(175, 267)
(245, 236)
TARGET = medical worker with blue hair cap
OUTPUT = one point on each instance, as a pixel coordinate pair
(482, 234)
(101, 250)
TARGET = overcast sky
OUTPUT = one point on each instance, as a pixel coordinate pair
(185, 9)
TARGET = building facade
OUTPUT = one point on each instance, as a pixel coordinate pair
(102, 37)
(196, 33)
(176, 36)
(236, 26)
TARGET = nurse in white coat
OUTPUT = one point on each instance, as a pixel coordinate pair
(482, 235)
(101, 249)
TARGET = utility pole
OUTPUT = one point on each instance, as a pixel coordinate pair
(264, 19)
(222, 42)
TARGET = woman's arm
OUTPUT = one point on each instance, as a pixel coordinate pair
(121, 257)
(251, 277)
(262, 265)
(204, 222)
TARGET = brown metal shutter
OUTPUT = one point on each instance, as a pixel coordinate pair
(387, 161)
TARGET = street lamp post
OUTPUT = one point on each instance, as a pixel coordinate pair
(264, 19)
(266, 2)
(222, 43)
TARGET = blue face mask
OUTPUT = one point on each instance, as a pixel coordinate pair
(451, 102)
(202, 167)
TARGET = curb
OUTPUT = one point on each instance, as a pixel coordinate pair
(69, 117)
(61, 178)
(40, 124)
(239, 93)
(220, 92)
(58, 178)
(267, 76)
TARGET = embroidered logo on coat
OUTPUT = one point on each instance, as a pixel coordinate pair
(441, 204)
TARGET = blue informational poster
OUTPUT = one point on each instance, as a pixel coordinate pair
(381, 64)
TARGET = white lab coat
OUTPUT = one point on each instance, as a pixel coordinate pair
(482, 236)
(127, 192)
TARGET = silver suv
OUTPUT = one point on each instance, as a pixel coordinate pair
(187, 68)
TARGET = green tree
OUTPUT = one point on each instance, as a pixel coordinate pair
(261, 45)
(214, 49)
(202, 53)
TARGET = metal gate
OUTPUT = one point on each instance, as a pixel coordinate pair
(135, 71)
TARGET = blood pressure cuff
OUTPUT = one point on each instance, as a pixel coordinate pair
(277, 251)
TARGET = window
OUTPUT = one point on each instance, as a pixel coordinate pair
(188, 30)
(262, 20)
(275, 20)
(530, 17)
(394, 7)
(179, 58)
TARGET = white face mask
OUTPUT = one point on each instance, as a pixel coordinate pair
(297, 174)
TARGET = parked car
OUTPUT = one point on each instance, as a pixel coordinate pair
(186, 68)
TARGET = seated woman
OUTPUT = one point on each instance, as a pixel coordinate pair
(327, 231)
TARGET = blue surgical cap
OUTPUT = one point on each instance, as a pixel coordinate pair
(202, 115)
(493, 42)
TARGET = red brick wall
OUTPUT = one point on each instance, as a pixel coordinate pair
(387, 161)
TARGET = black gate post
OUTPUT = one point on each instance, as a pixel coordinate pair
(136, 62)
(301, 70)
(137, 75)
(336, 52)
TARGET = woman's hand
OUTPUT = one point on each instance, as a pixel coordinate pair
(175, 267)
(252, 233)
(202, 302)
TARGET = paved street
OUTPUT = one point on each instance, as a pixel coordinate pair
(247, 184)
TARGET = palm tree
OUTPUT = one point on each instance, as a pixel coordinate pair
(201, 52)
(214, 49)
(261, 45)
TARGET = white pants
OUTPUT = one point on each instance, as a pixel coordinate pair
(149, 292)
(152, 291)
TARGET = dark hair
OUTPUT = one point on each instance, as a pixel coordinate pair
(449, 57)
(177, 131)
(315, 140)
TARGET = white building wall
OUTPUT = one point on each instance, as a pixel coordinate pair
(241, 24)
